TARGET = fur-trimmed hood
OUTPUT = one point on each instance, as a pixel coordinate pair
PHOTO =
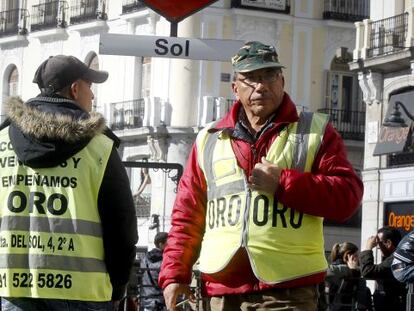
(45, 131)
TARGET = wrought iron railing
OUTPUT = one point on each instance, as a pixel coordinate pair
(129, 6)
(282, 6)
(350, 124)
(388, 35)
(49, 15)
(82, 11)
(142, 205)
(127, 114)
(400, 159)
(346, 10)
(13, 22)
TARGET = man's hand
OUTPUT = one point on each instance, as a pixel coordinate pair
(172, 291)
(371, 242)
(265, 177)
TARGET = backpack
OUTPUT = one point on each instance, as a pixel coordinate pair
(356, 297)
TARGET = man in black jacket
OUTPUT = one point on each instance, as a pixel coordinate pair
(152, 297)
(68, 227)
(389, 294)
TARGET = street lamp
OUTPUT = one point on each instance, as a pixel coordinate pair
(395, 119)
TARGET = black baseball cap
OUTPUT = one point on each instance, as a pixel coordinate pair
(59, 71)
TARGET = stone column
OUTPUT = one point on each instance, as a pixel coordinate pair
(184, 80)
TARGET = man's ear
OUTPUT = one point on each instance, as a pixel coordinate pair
(74, 90)
(235, 89)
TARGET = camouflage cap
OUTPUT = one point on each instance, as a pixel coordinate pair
(255, 55)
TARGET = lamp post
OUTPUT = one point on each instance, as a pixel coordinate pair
(395, 119)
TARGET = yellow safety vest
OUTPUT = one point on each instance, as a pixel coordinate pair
(282, 244)
(51, 235)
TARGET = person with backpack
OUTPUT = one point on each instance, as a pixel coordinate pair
(345, 288)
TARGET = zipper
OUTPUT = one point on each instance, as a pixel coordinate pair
(245, 227)
(254, 151)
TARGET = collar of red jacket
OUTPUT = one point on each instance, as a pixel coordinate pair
(285, 114)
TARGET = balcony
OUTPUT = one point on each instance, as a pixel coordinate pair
(384, 44)
(129, 6)
(350, 124)
(142, 205)
(49, 15)
(346, 10)
(400, 159)
(143, 112)
(213, 108)
(83, 11)
(388, 35)
(13, 22)
(282, 6)
(127, 114)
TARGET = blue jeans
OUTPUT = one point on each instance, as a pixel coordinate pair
(36, 304)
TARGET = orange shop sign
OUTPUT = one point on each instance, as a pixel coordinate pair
(404, 222)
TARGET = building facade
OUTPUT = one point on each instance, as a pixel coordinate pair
(158, 105)
(384, 60)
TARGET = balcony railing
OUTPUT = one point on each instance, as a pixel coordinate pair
(400, 159)
(142, 205)
(127, 114)
(282, 6)
(82, 11)
(212, 108)
(388, 35)
(346, 10)
(49, 15)
(13, 22)
(129, 6)
(350, 124)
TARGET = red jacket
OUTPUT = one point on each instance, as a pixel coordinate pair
(332, 191)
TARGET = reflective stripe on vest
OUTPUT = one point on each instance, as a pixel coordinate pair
(50, 230)
(282, 243)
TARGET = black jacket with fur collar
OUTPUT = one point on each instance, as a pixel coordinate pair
(45, 131)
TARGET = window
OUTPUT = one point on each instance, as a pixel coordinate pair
(13, 82)
(342, 92)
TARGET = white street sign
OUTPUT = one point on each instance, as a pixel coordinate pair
(170, 47)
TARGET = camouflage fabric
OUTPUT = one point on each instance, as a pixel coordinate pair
(255, 55)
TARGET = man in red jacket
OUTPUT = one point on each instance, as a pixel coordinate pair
(253, 196)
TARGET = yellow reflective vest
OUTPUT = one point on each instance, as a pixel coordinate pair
(282, 243)
(51, 235)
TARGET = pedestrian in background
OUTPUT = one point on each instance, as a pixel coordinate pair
(346, 290)
(151, 295)
(65, 196)
(253, 196)
(403, 263)
(389, 293)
